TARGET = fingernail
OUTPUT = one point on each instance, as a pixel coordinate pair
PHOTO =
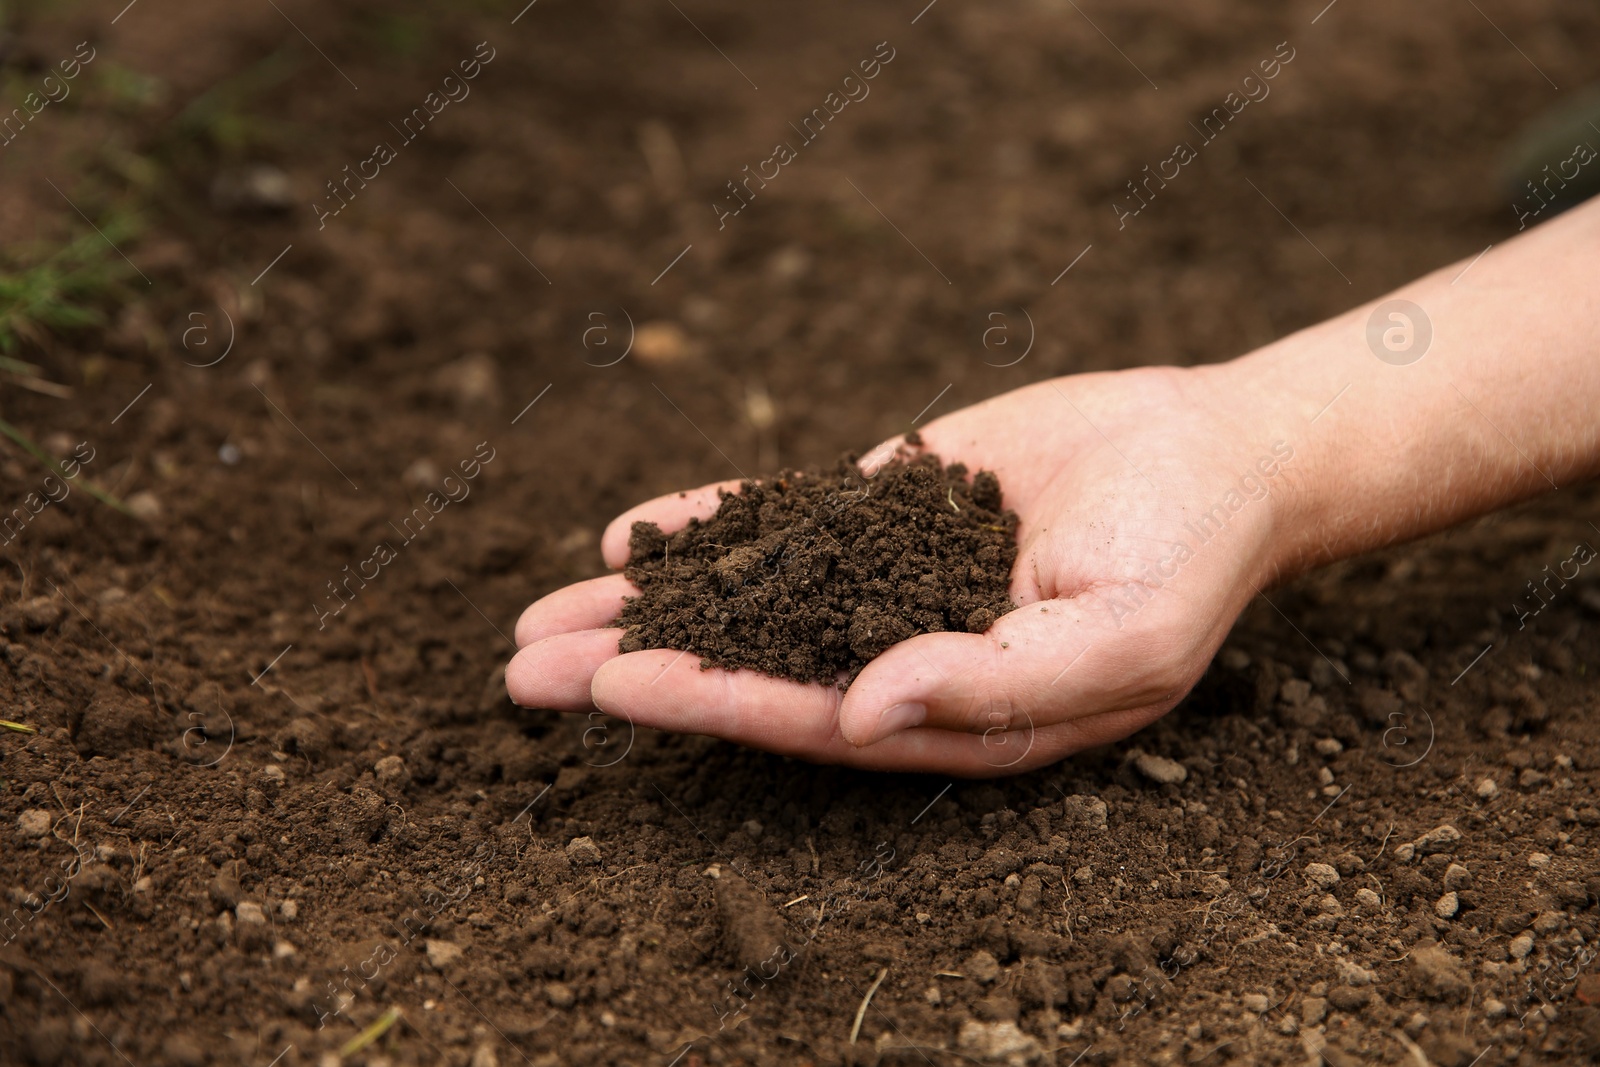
(899, 717)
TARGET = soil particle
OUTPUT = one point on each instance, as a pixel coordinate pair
(999, 1042)
(1322, 875)
(811, 574)
(1437, 974)
(584, 852)
(752, 929)
(441, 954)
(1160, 768)
(1085, 813)
(1349, 998)
(1441, 838)
(35, 822)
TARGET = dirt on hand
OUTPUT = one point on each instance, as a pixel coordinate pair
(811, 574)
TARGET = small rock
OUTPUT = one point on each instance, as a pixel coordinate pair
(1000, 1042)
(1520, 946)
(1256, 1002)
(1328, 746)
(1514, 922)
(1349, 998)
(144, 505)
(391, 774)
(1321, 875)
(473, 380)
(273, 774)
(1083, 875)
(1351, 973)
(982, 967)
(35, 822)
(442, 954)
(1486, 789)
(559, 994)
(1457, 877)
(250, 912)
(1313, 1010)
(1369, 900)
(1160, 769)
(1494, 1010)
(1405, 852)
(1441, 838)
(290, 910)
(583, 850)
(660, 343)
(1085, 812)
(1539, 860)
(1532, 779)
(1447, 906)
(282, 950)
(257, 187)
(1294, 692)
(483, 1056)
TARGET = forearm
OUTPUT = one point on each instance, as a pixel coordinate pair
(1502, 405)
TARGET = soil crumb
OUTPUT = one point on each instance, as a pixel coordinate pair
(811, 574)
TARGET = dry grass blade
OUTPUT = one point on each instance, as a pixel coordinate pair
(371, 1033)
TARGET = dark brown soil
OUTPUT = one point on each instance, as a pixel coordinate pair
(241, 836)
(811, 574)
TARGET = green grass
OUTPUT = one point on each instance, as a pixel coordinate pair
(65, 291)
(60, 293)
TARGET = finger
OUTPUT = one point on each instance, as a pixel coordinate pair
(666, 690)
(1037, 666)
(671, 512)
(557, 672)
(581, 606)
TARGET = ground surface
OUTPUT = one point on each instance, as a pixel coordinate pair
(287, 808)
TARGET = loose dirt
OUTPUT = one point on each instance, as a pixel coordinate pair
(811, 574)
(250, 825)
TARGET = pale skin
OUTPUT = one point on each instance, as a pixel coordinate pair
(1109, 474)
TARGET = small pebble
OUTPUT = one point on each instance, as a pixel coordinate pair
(1494, 1009)
(1441, 838)
(1368, 899)
(1447, 906)
(1329, 746)
(35, 822)
(1487, 789)
(250, 912)
(1539, 860)
(583, 850)
(1256, 1002)
(1457, 877)
(1321, 875)
(1160, 769)
(559, 994)
(442, 953)
(1520, 946)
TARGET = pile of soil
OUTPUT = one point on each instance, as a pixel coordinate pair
(811, 574)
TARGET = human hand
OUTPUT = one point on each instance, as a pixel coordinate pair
(1147, 513)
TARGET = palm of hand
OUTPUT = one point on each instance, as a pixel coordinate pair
(1115, 622)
